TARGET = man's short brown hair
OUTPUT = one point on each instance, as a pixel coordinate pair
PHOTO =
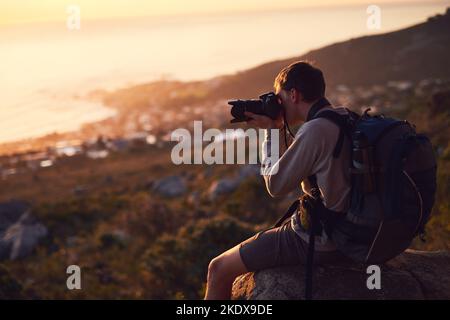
(304, 77)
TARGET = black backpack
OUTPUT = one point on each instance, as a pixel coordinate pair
(393, 174)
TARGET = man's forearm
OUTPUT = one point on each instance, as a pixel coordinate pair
(274, 142)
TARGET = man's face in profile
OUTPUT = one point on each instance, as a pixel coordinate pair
(284, 97)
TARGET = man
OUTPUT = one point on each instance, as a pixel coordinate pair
(299, 86)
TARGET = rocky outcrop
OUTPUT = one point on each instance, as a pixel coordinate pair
(412, 275)
(20, 232)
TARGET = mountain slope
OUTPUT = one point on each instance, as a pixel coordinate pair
(415, 53)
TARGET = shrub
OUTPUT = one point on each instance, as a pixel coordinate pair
(178, 263)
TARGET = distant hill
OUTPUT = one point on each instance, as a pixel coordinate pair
(415, 53)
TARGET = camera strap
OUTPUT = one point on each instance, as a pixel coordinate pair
(286, 126)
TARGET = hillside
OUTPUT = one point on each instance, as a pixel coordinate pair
(416, 53)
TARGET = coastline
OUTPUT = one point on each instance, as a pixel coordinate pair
(99, 113)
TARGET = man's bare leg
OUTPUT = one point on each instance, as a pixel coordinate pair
(222, 271)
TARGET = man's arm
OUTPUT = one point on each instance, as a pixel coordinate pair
(296, 162)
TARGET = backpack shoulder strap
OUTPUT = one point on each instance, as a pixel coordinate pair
(342, 121)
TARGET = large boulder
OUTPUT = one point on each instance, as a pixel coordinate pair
(412, 275)
(20, 232)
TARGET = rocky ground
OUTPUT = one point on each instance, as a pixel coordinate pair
(414, 275)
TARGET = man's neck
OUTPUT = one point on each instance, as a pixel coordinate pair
(303, 111)
(312, 109)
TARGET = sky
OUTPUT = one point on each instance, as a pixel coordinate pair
(25, 11)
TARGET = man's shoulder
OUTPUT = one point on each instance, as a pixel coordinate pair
(322, 127)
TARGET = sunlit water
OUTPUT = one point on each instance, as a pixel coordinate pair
(45, 69)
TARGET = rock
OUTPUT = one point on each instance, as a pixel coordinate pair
(117, 238)
(411, 275)
(249, 170)
(121, 235)
(228, 185)
(10, 212)
(171, 186)
(221, 187)
(18, 238)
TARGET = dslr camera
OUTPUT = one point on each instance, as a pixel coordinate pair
(267, 105)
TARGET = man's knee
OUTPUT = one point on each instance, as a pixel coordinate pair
(221, 268)
(216, 269)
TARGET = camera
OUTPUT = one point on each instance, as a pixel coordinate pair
(267, 104)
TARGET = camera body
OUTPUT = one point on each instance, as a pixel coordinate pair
(267, 105)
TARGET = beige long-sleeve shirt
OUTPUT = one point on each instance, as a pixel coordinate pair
(310, 152)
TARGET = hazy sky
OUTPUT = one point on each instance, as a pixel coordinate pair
(18, 11)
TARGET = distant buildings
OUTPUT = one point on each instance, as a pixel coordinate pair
(152, 125)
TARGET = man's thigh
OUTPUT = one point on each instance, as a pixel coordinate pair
(280, 247)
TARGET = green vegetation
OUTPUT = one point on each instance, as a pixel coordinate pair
(129, 241)
(183, 258)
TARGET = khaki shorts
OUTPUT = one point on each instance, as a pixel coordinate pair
(281, 247)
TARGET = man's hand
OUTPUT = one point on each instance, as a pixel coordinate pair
(264, 122)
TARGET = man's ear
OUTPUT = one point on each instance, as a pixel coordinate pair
(295, 95)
